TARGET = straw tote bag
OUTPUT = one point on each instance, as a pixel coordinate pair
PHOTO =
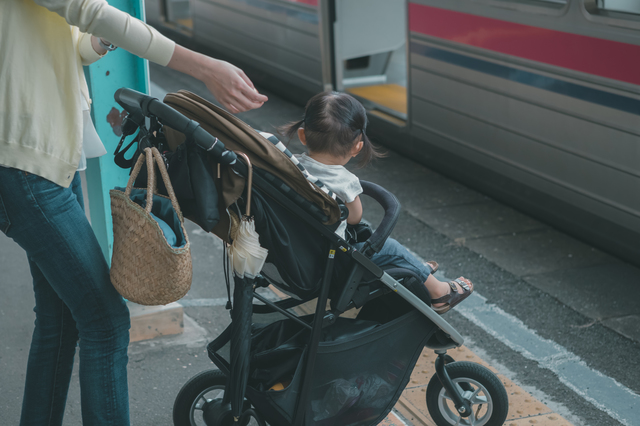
(151, 262)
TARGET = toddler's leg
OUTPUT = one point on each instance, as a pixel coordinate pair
(395, 254)
(445, 294)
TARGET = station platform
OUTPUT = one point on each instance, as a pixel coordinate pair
(578, 303)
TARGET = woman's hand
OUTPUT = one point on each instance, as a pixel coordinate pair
(95, 43)
(228, 83)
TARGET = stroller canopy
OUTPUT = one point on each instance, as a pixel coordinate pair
(239, 136)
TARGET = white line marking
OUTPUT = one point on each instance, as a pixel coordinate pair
(604, 392)
(220, 301)
(398, 417)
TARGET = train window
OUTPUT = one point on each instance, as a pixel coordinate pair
(539, 2)
(617, 13)
(625, 6)
(544, 7)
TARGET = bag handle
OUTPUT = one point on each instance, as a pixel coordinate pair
(151, 154)
(134, 174)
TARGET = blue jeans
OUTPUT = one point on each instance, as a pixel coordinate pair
(394, 254)
(75, 301)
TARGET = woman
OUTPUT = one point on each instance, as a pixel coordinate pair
(45, 133)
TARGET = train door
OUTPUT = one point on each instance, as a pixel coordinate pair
(370, 59)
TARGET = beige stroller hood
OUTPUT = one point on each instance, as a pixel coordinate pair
(239, 136)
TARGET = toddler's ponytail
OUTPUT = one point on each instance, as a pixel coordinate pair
(333, 122)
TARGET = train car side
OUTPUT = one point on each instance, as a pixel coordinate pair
(529, 107)
(534, 102)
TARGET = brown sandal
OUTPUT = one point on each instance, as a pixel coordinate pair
(453, 298)
(433, 265)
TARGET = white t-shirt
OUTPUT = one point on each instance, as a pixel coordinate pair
(345, 184)
(91, 144)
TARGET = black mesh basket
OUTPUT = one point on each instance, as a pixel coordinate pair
(360, 371)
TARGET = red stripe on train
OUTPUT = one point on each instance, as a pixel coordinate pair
(605, 58)
(309, 2)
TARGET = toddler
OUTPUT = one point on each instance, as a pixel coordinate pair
(333, 130)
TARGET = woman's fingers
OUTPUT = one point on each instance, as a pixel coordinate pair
(245, 100)
(237, 104)
(247, 93)
(246, 79)
(239, 95)
(228, 83)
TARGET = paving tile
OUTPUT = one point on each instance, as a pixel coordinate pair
(394, 168)
(538, 252)
(433, 191)
(585, 288)
(482, 219)
(628, 326)
(149, 322)
(416, 187)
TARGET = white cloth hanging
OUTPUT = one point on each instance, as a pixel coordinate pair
(92, 146)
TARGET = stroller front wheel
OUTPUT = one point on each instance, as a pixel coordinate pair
(201, 389)
(477, 384)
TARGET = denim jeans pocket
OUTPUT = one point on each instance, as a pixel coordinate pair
(4, 218)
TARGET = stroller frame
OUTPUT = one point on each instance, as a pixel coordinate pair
(443, 339)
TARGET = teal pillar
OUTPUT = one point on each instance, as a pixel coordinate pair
(117, 69)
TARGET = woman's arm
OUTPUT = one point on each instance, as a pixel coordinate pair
(355, 211)
(227, 83)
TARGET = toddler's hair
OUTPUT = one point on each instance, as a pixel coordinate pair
(333, 122)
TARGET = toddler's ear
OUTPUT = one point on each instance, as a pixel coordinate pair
(357, 148)
(301, 136)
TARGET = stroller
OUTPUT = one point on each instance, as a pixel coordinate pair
(349, 361)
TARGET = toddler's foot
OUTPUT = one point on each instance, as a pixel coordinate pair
(445, 296)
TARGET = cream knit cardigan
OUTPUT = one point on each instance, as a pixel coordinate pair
(43, 46)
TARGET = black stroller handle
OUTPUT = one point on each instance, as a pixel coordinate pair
(136, 104)
(391, 207)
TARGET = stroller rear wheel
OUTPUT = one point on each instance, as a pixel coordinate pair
(477, 384)
(195, 401)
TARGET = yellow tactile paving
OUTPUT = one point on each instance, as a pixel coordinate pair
(524, 409)
(392, 96)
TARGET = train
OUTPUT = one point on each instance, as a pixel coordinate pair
(535, 103)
